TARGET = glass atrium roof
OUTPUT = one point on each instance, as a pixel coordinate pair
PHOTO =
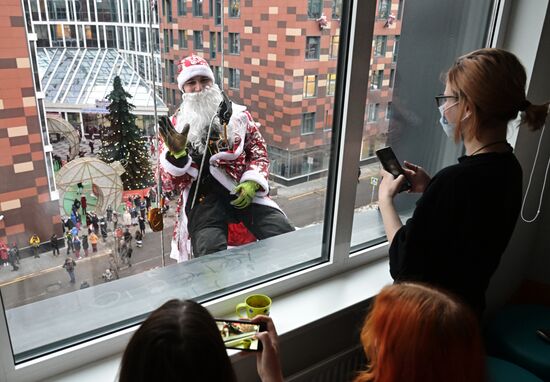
(77, 77)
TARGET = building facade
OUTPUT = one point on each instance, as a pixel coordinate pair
(280, 61)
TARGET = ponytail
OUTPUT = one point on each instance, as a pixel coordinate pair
(534, 116)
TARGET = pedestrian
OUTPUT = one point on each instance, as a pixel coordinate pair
(115, 220)
(128, 237)
(143, 209)
(103, 228)
(12, 258)
(109, 213)
(15, 250)
(142, 225)
(83, 204)
(54, 244)
(4, 256)
(34, 241)
(118, 237)
(95, 222)
(69, 266)
(139, 238)
(147, 202)
(93, 239)
(91, 144)
(134, 215)
(85, 245)
(69, 241)
(69, 223)
(127, 218)
(77, 245)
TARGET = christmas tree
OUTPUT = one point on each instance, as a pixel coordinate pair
(122, 141)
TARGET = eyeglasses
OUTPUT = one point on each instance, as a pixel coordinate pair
(441, 99)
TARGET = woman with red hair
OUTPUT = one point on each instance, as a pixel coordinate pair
(418, 334)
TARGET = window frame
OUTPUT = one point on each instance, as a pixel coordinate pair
(234, 42)
(309, 47)
(308, 81)
(310, 118)
(195, 44)
(352, 86)
(234, 75)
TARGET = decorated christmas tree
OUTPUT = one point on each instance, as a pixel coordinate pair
(122, 141)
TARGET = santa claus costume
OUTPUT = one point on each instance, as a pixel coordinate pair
(204, 214)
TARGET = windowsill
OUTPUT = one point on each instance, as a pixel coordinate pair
(316, 302)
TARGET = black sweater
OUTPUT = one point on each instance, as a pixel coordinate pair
(461, 226)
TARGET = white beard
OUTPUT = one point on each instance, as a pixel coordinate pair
(197, 110)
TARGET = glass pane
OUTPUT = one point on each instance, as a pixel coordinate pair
(286, 155)
(400, 110)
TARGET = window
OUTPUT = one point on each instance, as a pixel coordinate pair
(212, 44)
(384, 8)
(388, 111)
(234, 43)
(182, 7)
(380, 45)
(182, 39)
(218, 12)
(197, 40)
(234, 8)
(170, 38)
(376, 79)
(336, 9)
(312, 48)
(331, 83)
(372, 112)
(172, 71)
(197, 8)
(310, 86)
(392, 78)
(234, 78)
(220, 42)
(105, 307)
(395, 48)
(308, 123)
(334, 43)
(314, 8)
(166, 44)
(169, 17)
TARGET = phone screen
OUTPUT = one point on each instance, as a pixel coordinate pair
(391, 164)
(240, 335)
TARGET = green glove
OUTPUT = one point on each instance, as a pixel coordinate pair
(175, 141)
(246, 192)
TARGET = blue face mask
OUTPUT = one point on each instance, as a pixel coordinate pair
(448, 127)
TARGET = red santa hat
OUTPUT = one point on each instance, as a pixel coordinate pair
(192, 66)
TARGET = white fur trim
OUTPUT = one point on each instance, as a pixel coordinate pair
(192, 71)
(258, 178)
(173, 170)
(222, 177)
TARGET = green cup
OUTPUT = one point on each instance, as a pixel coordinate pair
(253, 306)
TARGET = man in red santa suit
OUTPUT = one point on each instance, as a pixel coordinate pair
(233, 185)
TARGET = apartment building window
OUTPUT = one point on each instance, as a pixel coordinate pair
(217, 74)
(182, 7)
(384, 8)
(376, 79)
(314, 8)
(380, 43)
(170, 38)
(331, 84)
(218, 12)
(334, 44)
(395, 48)
(392, 78)
(234, 8)
(234, 43)
(372, 112)
(166, 39)
(336, 9)
(388, 111)
(308, 123)
(312, 48)
(234, 78)
(197, 8)
(213, 44)
(182, 39)
(310, 86)
(220, 42)
(197, 40)
(169, 17)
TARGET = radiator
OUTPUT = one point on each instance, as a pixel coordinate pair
(341, 367)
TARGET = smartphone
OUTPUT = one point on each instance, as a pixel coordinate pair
(391, 164)
(240, 334)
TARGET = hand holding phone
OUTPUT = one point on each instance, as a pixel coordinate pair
(391, 164)
(240, 334)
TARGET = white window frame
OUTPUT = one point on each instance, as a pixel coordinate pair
(354, 87)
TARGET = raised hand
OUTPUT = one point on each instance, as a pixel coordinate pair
(417, 176)
(175, 141)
